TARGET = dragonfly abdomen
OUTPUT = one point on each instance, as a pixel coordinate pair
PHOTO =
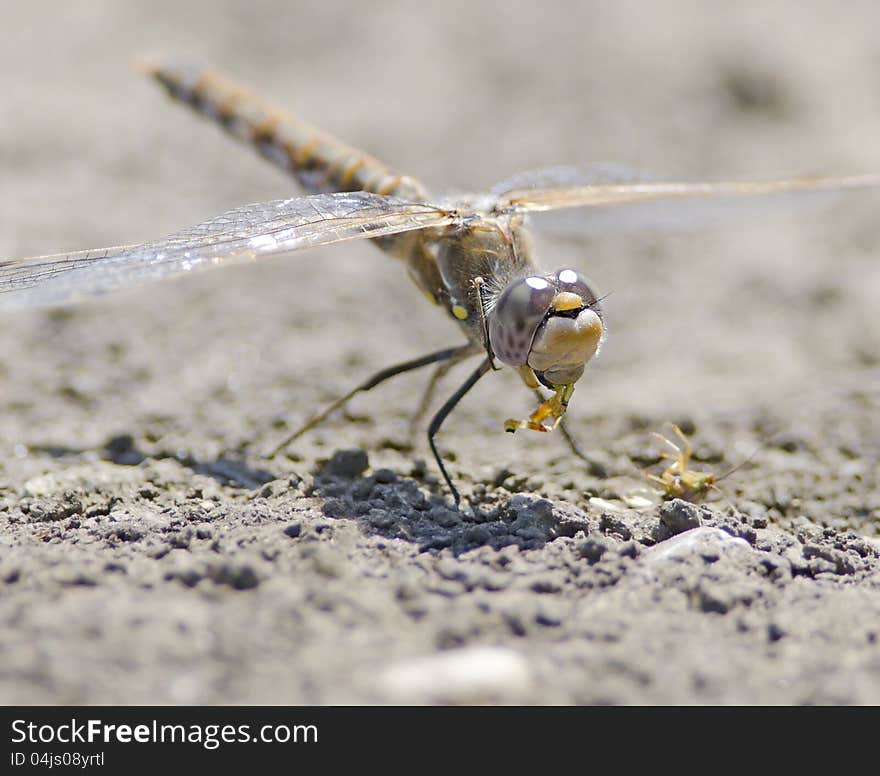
(319, 162)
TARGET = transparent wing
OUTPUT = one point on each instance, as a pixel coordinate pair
(617, 199)
(568, 177)
(243, 234)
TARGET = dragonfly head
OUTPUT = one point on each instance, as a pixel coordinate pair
(551, 323)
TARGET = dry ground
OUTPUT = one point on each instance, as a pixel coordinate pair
(148, 555)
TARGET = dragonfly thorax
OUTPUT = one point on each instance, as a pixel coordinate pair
(550, 323)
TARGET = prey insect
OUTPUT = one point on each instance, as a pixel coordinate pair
(677, 480)
(470, 254)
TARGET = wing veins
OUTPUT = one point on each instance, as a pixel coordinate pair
(245, 233)
(540, 199)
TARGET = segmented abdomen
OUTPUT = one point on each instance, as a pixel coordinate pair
(318, 161)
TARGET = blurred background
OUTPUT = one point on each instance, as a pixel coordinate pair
(748, 317)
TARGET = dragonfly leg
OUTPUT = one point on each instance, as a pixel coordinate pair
(442, 414)
(569, 438)
(439, 373)
(370, 383)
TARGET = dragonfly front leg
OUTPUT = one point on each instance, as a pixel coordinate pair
(378, 378)
(528, 377)
(438, 374)
(442, 414)
(566, 434)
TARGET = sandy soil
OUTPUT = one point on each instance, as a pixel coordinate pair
(149, 555)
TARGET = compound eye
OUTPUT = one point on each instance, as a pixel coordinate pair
(516, 316)
(574, 282)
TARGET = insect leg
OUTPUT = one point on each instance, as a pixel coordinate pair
(679, 452)
(568, 437)
(438, 374)
(686, 450)
(444, 411)
(372, 382)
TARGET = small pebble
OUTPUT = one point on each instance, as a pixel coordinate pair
(349, 464)
(466, 675)
(678, 516)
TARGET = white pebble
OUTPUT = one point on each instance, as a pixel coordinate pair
(466, 675)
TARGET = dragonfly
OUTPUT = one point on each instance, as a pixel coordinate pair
(470, 254)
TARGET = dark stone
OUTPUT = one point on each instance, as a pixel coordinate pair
(294, 530)
(349, 464)
(591, 549)
(678, 516)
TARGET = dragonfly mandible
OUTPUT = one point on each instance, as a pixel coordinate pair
(470, 254)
